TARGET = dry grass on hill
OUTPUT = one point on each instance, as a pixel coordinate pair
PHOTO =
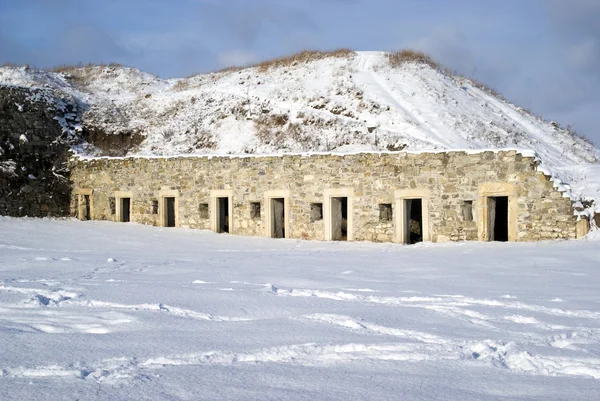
(304, 56)
(489, 90)
(69, 68)
(233, 68)
(14, 65)
(81, 74)
(401, 57)
(181, 85)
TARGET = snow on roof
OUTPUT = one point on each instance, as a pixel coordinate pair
(338, 152)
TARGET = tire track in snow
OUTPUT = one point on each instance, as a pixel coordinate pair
(505, 355)
(59, 321)
(451, 304)
(41, 296)
(436, 304)
(159, 307)
(574, 338)
(371, 328)
(310, 354)
(570, 337)
(63, 298)
(499, 355)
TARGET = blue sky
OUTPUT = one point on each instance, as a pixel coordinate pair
(541, 54)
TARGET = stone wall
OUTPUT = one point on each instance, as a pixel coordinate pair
(34, 142)
(445, 182)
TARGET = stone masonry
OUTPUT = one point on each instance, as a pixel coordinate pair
(446, 182)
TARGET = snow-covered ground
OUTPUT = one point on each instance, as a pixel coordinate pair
(99, 310)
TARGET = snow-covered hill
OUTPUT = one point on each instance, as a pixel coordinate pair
(343, 101)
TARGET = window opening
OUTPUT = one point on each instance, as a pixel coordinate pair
(203, 209)
(467, 210)
(255, 210)
(385, 212)
(316, 211)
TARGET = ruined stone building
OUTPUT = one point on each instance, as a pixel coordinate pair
(400, 197)
(405, 197)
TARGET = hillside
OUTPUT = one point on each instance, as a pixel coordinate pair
(340, 101)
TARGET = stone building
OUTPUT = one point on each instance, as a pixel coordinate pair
(403, 197)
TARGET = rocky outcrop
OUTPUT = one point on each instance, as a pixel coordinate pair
(111, 144)
(37, 129)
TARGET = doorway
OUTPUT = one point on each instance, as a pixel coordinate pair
(84, 207)
(223, 215)
(414, 221)
(497, 218)
(169, 204)
(278, 217)
(125, 210)
(339, 219)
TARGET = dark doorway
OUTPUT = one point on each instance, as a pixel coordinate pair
(278, 218)
(498, 218)
(223, 215)
(85, 207)
(414, 221)
(170, 211)
(125, 210)
(339, 219)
